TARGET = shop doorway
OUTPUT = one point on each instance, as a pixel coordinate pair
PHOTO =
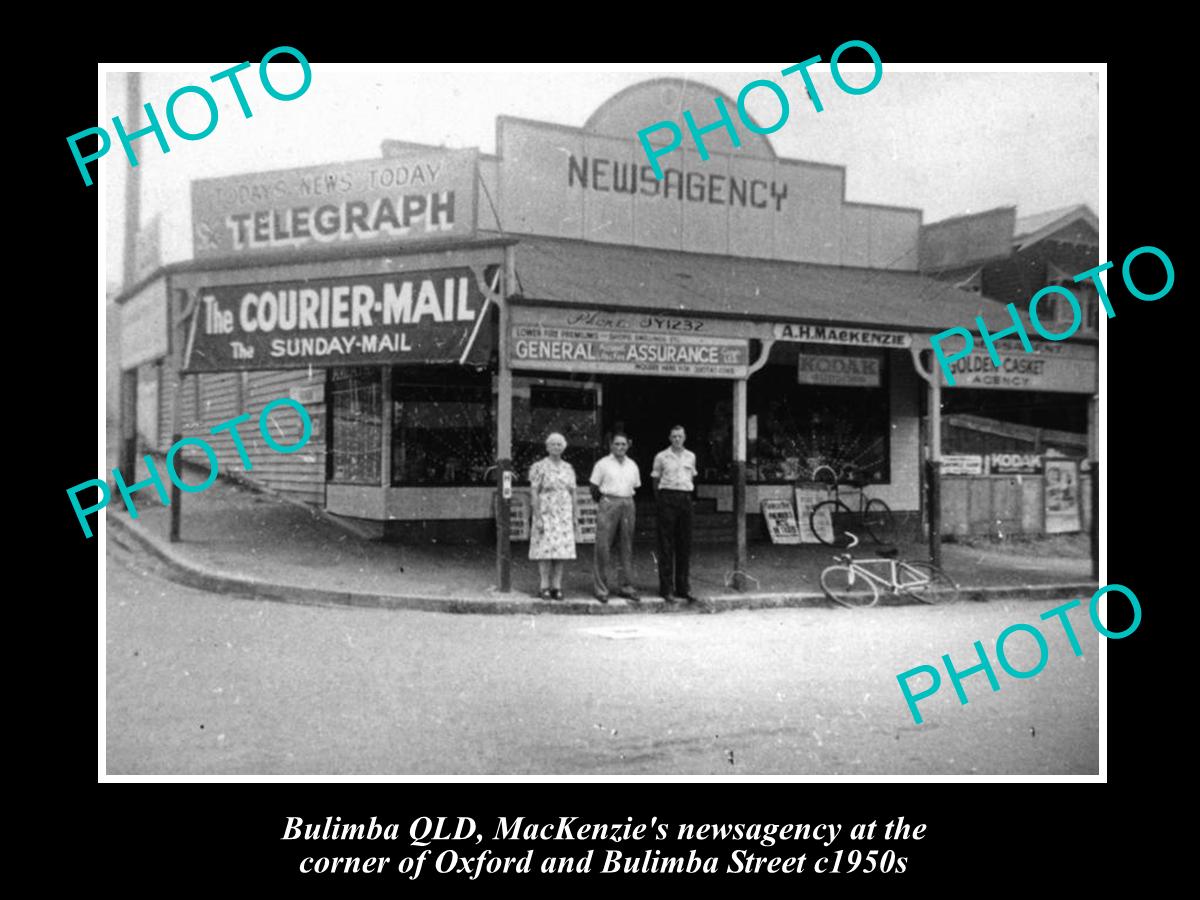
(645, 408)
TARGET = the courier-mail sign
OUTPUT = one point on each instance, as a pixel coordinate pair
(423, 197)
(414, 317)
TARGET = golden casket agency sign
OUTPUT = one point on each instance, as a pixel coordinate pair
(1069, 368)
(572, 340)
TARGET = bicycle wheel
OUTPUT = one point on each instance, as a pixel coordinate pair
(828, 521)
(842, 585)
(879, 522)
(927, 583)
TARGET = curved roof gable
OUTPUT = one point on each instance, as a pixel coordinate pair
(640, 105)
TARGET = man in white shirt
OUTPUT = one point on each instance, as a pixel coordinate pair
(614, 479)
(674, 476)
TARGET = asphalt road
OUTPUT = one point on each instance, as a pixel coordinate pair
(200, 683)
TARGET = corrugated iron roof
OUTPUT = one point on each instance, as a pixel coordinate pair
(1032, 224)
(592, 274)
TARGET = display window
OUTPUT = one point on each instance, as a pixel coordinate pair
(800, 427)
(443, 426)
(544, 405)
(355, 439)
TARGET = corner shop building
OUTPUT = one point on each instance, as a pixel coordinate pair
(439, 311)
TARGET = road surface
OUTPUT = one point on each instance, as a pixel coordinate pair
(201, 683)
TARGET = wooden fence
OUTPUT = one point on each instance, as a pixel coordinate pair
(1002, 505)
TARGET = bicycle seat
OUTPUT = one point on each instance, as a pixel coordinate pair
(888, 552)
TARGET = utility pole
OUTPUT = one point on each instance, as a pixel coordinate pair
(127, 410)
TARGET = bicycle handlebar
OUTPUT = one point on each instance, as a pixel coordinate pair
(832, 472)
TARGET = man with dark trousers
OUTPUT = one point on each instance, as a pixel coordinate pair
(674, 474)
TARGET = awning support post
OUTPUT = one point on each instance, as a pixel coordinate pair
(127, 401)
(127, 429)
(933, 465)
(504, 434)
(739, 482)
(935, 471)
(1093, 425)
(179, 316)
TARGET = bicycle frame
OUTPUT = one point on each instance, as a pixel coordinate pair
(840, 486)
(858, 567)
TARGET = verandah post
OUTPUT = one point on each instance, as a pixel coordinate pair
(935, 469)
(739, 482)
(504, 435)
(1093, 424)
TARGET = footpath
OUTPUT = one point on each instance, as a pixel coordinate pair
(235, 540)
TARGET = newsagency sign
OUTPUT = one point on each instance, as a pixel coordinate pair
(580, 341)
(409, 199)
(414, 317)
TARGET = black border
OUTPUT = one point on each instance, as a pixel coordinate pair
(228, 835)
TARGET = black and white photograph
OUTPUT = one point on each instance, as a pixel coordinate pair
(604, 421)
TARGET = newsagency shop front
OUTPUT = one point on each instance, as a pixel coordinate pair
(438, 312)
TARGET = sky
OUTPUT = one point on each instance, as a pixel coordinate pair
(947, 143)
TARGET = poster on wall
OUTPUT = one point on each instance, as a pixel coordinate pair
(1062, 496)
(781, 522)
(585, 516)
(962, 464)
(518, 516)
(807, 499)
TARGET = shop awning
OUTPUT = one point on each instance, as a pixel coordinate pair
(602, 275)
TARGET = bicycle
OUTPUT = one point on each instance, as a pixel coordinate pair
(852, 585)
(875, 515)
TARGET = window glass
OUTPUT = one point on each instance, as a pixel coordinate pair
(802, 426)
(542, 406)
(356, 425)
(442, 426)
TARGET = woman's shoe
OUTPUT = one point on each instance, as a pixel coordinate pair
(556, 595)
(546, 594)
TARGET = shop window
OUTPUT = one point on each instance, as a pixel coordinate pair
(443, 431)
(542, 406)
(1057, 313)
(356, 426)
(803, 426)
(1089, 302)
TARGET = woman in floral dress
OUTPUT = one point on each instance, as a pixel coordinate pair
(552, 534)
